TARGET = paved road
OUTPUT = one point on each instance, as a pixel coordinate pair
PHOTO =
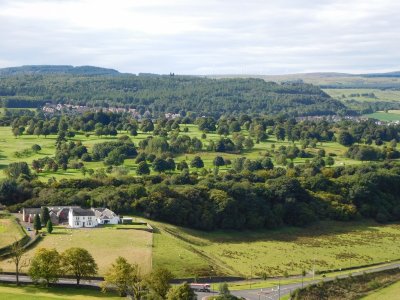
(285, 289)
(27, 279)
(250, 294)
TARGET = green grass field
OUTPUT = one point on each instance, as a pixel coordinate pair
(105, 244)
(11, 292)
(393, 115)
(381, 95)
(327, 245)
(392, 292)
(9, 230)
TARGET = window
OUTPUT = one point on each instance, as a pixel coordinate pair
(77, 223)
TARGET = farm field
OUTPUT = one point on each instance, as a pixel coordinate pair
(9, 230)
(325, 246)
(11, 145)
(392, 115)
(391, 292)
(381, 95)
(105, 244)
(11, 292)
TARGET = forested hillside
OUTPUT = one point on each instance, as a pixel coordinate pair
(174, 94)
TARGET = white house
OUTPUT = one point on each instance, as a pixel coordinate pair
(79, 217)
(105, 216)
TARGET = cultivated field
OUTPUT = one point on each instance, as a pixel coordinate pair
(391, 292)
(105, 244)
(324, 246)
(11, 292)
(9, 230)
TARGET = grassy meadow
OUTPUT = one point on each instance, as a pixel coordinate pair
(390, 116)
(323, 246)
(29, 292)
(348, 94)
(105, 244)
(10, 230)
(11, 146)
(392, 292)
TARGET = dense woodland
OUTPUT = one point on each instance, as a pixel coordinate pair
(174, 94)
(267, 198)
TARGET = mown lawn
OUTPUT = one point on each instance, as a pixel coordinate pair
(392, 292)
(29, 292)
(105, 244)
(9, 230)
(324, 246)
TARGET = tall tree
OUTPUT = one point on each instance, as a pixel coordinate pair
(79, 263)
(17, 258)
(37, 224)
(158, 282)
(124, 277)
(143, 168)
(197, 162)
(49, 226)
(181, 292)
(44, 215)
(45, 266)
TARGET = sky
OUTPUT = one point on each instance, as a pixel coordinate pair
(203, 36)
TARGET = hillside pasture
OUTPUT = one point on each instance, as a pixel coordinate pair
(10, 230)
(386, 95)
(390, 116)
(105, 244)
(323, 246)
(391, 292)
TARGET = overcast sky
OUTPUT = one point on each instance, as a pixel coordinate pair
(203, 36)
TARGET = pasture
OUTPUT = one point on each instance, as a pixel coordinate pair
(390, 116)
(349, 94)
(105, 244)
(30, 292)
(10, 230)
(391, 292)
(323, 246)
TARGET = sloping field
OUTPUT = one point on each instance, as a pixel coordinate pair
(324, 246)
(105, 244)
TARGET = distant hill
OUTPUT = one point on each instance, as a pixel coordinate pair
(390, 80)
(164, 93)
(50, 69)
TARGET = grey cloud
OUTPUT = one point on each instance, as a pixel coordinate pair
(253, 37)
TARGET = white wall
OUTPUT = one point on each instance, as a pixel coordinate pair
(81, 221)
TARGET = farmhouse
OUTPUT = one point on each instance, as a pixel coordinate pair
(74, 216)
(58, 214)
(105, 216)
(80, 217)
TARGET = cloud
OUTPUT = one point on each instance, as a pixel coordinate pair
(203, 37)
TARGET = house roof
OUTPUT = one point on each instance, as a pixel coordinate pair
(28, 211)
(104, 213)
(77, 211)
